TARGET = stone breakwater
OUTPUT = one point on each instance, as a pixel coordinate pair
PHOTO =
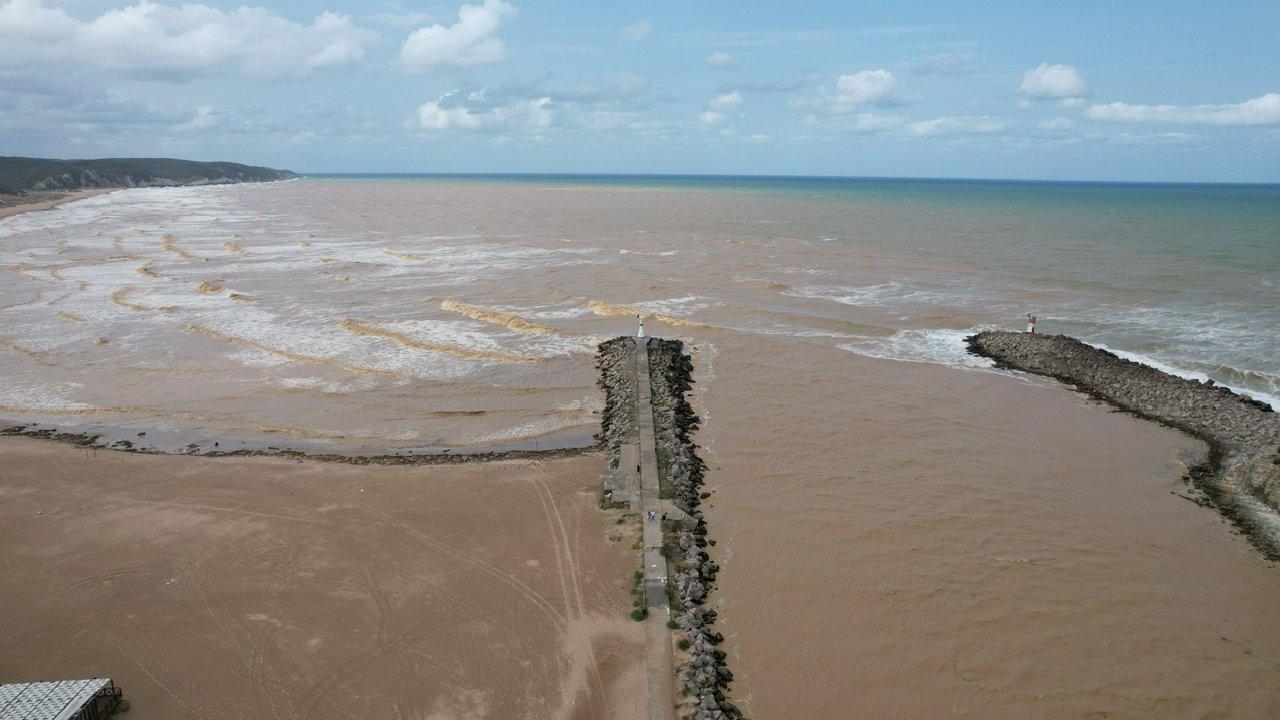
(705, 677)
(1240, 474)
(616, 360)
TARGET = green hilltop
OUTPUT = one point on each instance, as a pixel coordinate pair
(20, 175)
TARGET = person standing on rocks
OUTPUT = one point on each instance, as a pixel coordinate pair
(1031, 323)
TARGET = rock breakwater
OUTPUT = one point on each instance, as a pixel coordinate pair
(705, 677)
(616, 360)
(1241, 472)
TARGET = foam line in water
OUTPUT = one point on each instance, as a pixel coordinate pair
(173, 248)
(121, 297)
(940, 346)
(145, 269)
(288, 354)
(407, 257)
(498, 317)
(608, 309)
(445, 348)
(1271, 399)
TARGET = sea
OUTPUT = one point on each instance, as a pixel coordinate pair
(904, 530)
(314, 313)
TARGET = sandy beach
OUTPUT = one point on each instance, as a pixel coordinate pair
(256, 588)
(11, 205)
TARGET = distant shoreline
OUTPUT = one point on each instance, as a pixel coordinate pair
(11, 205)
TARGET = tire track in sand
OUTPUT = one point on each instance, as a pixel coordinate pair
(582, 654)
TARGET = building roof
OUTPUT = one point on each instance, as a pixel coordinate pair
(57, 700)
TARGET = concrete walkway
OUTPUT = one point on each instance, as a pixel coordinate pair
(659, 663)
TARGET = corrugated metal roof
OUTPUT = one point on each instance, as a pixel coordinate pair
(56, 700)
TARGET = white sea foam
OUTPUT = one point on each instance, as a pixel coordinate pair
(939, 346)
(1271, 398)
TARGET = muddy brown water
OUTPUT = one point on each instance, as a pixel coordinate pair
(903, 531)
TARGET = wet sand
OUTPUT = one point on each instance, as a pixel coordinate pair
(260, 587)
(963, 544)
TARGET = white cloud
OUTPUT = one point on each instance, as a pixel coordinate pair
(957, 125)
(470, 113)
(710, 117)
(727, 101)
(636, 31)
(206, 117)
(877, 87)
(1056, 124)
(470, 41)
(153, 41)
(1262, 110)
(862, 123)
(1053, 82)
(720, 59)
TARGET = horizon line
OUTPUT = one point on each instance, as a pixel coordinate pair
(776, 176)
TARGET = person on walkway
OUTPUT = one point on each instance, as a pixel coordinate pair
(640, 332)
(1031, 323)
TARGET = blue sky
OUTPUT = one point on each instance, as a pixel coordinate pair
(1107, 91)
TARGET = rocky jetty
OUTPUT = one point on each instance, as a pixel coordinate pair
(616, 360)
(1240, 474)
(706, 677)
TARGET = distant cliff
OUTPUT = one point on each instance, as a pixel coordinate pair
(19, 175)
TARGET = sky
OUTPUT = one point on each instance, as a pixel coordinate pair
(1139, 90)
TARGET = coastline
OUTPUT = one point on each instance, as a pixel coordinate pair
(11, 205)
(1240, 472)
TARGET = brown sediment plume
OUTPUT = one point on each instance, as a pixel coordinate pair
(497, 317)
(145, 269)
(327, 260)
(600, 307)
(82, 285)
(14, 347)
(70, 316)
(289, 355)
(304, 243)
(121, 297)
(342, 277)
(34, 299)
(171, 247)
(311, 433)
(59, 299)
(118, 242)
(233, 246)
(238, 297)
(101, 341)
(19, 410)
(21, 271)
(208, 288)
(407, 257)
(455, 350)
(56, 274)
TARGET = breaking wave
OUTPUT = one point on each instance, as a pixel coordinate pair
(454, 350)
(608, 309)
(288, 354)
(498, 317)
